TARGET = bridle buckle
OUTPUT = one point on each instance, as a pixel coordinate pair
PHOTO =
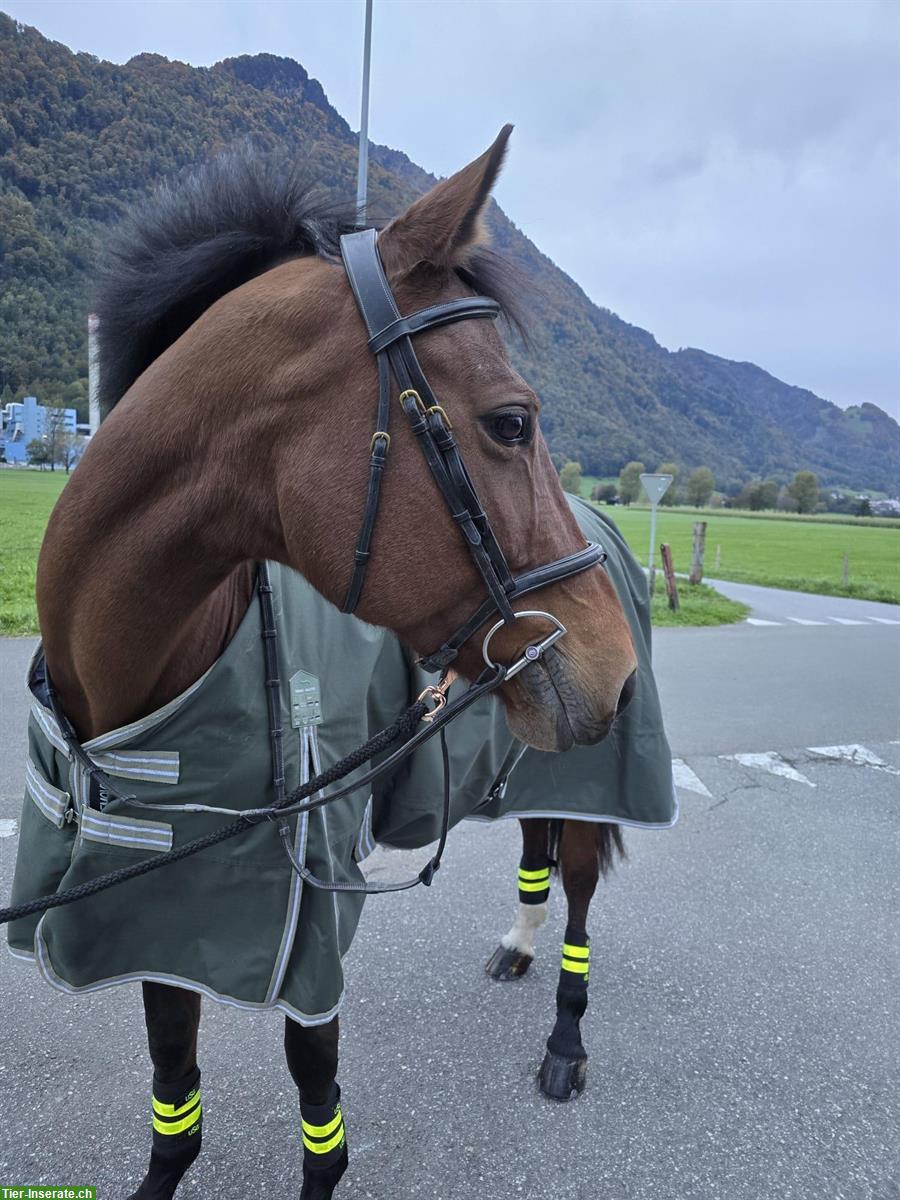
(437, 694)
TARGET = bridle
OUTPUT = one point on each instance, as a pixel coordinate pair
(390, 340)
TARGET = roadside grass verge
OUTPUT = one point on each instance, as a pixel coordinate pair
(699, 605)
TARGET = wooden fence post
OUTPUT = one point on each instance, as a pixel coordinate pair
(699, 550)
(718, 555)
(846, 570)
(669, 570)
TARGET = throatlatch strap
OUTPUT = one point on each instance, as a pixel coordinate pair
(576, 957)
(534, 882)
(324, 1139)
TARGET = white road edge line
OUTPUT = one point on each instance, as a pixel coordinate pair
(760, 621)
(885, 620)
(805, 621)
(8, 826)
(847, 621)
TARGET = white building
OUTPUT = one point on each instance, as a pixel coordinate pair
(26, 420)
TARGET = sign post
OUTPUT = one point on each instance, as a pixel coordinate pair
(656, 487)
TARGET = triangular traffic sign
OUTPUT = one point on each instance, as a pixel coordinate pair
(656, 486)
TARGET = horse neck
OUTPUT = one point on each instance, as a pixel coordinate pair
(147, 565)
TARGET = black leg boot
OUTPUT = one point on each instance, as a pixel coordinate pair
(324, 1147)
(564, 1069)
(177, 1134)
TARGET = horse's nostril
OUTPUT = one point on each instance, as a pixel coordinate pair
(626, 693)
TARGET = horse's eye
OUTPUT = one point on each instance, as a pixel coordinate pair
(511, 427)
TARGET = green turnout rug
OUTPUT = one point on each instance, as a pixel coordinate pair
(235, 922)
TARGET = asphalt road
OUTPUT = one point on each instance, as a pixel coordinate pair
(743, 1023)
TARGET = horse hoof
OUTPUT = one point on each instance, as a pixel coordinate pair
(562, 1078)
(508, 964)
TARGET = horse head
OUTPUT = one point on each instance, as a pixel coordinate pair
(421, 580)
(241, 395)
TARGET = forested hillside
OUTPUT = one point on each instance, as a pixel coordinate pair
(81, 138)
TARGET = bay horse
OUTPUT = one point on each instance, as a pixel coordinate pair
(238, 390)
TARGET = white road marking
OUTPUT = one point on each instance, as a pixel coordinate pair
(772, 763)
(804, 621)
(860, 756)
(885, 620)
(760, 621)
(685, 778)
(8, 827)
(847, 621)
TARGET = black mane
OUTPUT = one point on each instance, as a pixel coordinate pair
(195, 239)
(210, 231)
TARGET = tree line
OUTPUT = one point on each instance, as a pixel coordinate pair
(698, 490)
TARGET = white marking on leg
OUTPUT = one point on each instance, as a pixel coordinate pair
(529, 919)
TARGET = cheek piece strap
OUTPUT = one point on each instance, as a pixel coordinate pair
(390, 340)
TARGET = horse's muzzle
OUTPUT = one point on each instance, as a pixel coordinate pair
(548, 707)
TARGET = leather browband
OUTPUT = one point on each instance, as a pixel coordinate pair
(432, 318)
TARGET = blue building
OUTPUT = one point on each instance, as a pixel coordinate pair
(26, 420)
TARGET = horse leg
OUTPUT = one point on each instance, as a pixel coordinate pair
(312, 1059)
(585, 850)
(514, 955)
(172, 1015)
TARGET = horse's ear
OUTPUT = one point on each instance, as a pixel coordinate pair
(446, 222)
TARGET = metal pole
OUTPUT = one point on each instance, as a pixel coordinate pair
(363, 162)
(93, 374)
(652, 535)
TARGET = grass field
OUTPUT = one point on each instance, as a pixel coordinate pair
(788, 553)
(804, 556)
(26, 498)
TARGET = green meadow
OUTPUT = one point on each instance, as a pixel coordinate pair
(803, 555)
(26, 498)
(789, 552)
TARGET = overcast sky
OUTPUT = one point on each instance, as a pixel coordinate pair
(723, 173)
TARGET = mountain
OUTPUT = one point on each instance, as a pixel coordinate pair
(80, 139)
